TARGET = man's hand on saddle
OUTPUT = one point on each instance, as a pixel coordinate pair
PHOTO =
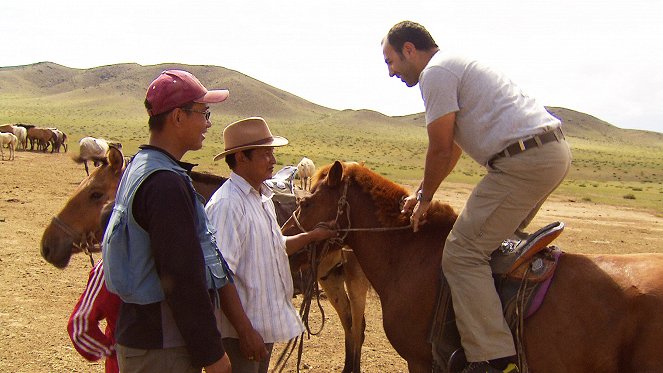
(416, 209)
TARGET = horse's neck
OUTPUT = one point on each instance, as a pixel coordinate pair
(376, 251)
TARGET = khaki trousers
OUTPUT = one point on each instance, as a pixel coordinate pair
(136, 360)
(501, 205)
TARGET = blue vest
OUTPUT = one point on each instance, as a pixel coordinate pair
(128, 262)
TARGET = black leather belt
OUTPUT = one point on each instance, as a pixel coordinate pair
(522, 145)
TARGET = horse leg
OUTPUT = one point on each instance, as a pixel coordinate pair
(332, 284)
(357, 286)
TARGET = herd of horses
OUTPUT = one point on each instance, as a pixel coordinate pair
(602, 313)
(37, 137)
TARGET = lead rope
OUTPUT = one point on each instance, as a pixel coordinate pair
(308, 293)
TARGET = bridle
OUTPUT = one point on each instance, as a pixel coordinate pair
(85, 243)
(343, 208)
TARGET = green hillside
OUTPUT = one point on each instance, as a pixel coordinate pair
(611, 165)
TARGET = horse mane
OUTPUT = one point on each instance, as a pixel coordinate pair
(387, 196)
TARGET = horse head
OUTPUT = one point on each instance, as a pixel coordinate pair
(77, 226)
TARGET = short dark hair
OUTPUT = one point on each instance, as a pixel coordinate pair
(231, 161)
(413, 32)
(157, 122)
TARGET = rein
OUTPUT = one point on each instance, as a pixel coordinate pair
(84, 243)
(308, 293)
(344, 205)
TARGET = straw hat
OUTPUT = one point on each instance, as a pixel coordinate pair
(247, 134)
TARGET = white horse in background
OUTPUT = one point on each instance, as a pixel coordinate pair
(93, 149)
(60, 140)
(305, 170)
(10, 140)
(21, 134)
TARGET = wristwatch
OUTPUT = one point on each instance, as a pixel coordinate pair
(420, 197)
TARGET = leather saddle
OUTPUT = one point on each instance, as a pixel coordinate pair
(519, 259)
(522, 271)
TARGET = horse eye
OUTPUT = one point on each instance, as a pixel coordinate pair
(96, 195)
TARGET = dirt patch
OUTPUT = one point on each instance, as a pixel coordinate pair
(36, 298)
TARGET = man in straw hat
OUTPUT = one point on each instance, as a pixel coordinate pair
(252, 243)
(158, 254)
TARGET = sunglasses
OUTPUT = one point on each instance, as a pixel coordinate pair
(207, 113)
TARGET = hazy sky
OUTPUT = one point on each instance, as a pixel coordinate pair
(604, 58)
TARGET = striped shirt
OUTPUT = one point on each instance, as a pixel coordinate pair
(252, 244)
(95, 304)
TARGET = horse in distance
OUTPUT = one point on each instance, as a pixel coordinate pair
(305, 170)
(9, 140)
(60, 140)
(43, 137)
(602, 313)
(22, 136)
(92, 149)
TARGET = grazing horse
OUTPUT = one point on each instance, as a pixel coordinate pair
(22, 136)
(92, 149)
(6, 128)
(60, 140)
(42, 136)
(10, 140)
(76, 228)
(305, 170)
(602, 313)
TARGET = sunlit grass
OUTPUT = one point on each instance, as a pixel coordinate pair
(607, 173)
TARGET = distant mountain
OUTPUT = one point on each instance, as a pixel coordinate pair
(128, 82)
(42, 86)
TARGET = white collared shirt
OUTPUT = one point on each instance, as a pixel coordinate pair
(252, 244)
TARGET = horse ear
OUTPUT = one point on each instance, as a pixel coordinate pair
(115, 159)
(335, 174)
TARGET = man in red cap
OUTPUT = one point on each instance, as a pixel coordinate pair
(159, 253)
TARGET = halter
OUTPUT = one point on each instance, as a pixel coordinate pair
(344, 206)
(85, 241)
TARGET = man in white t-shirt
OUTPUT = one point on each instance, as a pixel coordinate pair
(473, 108)
(250, 239)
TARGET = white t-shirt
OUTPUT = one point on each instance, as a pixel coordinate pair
(252, 244)
(492, 112)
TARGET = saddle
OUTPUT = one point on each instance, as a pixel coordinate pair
(522, 271)
(518, 259)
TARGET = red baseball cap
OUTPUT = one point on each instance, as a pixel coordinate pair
(174, 88)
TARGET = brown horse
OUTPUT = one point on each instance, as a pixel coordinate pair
(602, 313)
(44, 137)
(77, 228)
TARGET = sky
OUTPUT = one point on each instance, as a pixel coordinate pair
(603, 58)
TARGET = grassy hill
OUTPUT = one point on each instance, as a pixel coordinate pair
(611, 164)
